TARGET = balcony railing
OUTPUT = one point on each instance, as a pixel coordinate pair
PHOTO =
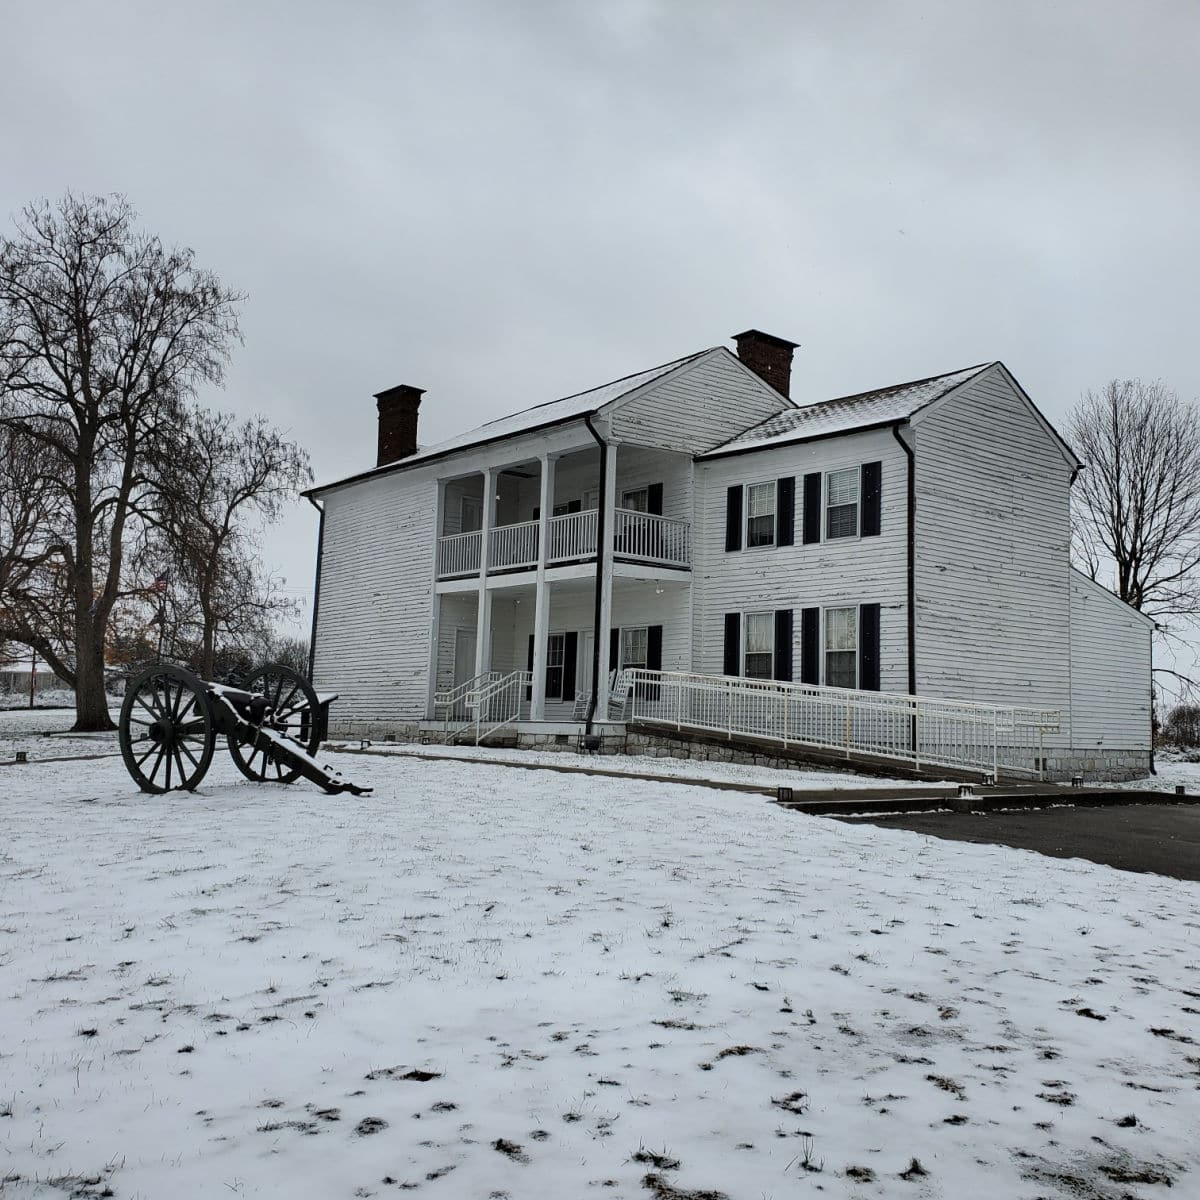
(642, 537)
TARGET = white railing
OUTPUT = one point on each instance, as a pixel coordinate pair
(572, 535)
(651, 538)
(497, 702)
(458, 554)
(513, 546)
(911, 729)
(640, 536)
(452, 704)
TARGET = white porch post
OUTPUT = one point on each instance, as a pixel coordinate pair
(605, 557)
(435, 601)
(483, 628)
(541, 608)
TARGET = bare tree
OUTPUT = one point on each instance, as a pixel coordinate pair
(104, 335)
(1137, 500)
(226, 482)
(33, 598)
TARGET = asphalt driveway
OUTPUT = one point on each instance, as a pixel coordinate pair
(1162, 838)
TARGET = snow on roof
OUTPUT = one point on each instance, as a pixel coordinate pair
(550, 413)
(848, 412)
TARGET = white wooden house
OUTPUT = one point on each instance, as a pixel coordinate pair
(883, 569)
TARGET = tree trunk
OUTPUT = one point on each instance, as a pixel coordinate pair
(91, 702)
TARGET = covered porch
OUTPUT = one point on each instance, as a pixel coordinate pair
(647, 625)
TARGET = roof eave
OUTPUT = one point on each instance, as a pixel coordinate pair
(762, 447)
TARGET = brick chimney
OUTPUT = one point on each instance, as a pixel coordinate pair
(767, 356)
(397, 422)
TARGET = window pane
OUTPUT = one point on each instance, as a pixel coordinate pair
(760, 633)
(841, 628)
(841, 669)
(843, 487)
(842, 521)
(638, 501)
(633, 647)
(760, 531)
(759, 666)
(761, 500)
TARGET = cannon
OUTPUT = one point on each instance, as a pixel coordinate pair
(171, 719)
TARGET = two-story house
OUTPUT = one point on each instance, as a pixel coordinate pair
(694, 520)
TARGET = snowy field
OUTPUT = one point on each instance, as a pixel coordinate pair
(482, 982)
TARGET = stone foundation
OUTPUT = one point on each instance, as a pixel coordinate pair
(1096, 765)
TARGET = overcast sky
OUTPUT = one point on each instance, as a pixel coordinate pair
(504, 202)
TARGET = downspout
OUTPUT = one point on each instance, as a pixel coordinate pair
(312, 640)
(600, 543)
(912, 559)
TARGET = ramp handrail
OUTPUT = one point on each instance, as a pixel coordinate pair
(914, 730)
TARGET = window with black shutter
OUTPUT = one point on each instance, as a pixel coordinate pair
(868, 641)
(812, 508)
(783, 644)
(810, 645)
(733, 644)
(786, 491)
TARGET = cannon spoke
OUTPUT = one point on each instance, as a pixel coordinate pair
(166, 729)
(290, 703)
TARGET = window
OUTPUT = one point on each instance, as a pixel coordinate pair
(841, 503)
(556, 656)
(758, 659)
(841, 647)
(760, 514)
(637, 500)
(568, 506)
(635, 644)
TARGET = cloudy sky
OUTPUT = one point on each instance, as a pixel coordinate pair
(508, 201)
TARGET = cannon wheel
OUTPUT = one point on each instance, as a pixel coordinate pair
(166, 730)
(292, 710)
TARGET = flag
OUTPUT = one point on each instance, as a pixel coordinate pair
(160, 583)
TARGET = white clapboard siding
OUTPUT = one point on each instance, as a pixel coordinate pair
(1110, 670)
(849, 571)
(698, 407)
(993, 602)
(374, 619)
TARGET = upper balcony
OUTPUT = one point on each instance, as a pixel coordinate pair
(648, 505)
(637, 537)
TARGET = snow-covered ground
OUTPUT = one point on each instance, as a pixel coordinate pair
(635, 764)
(482, 982)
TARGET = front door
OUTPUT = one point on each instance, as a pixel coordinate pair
(587, 644)
(464, 655)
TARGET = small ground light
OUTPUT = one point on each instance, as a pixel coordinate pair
(23, 756)
(1180, 790)
(1077, 781)
(965, 792)
(784, 795)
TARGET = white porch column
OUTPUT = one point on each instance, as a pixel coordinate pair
(541, 608)
(435, 601)
(483, 627)
(604, 554)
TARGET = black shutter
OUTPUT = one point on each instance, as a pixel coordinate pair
(733, 518)
(872, 497)
(783, 644)
(810, 645)
(537, 512)
(868, 647)
(654, 648)
(570, 656)
(529, 667)
(654, 499)
(786, 492)
(574, 506)
(733, 643)
(614, 648)
(653, 658)
(812, 510)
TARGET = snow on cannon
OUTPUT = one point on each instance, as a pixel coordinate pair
(171, 719)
